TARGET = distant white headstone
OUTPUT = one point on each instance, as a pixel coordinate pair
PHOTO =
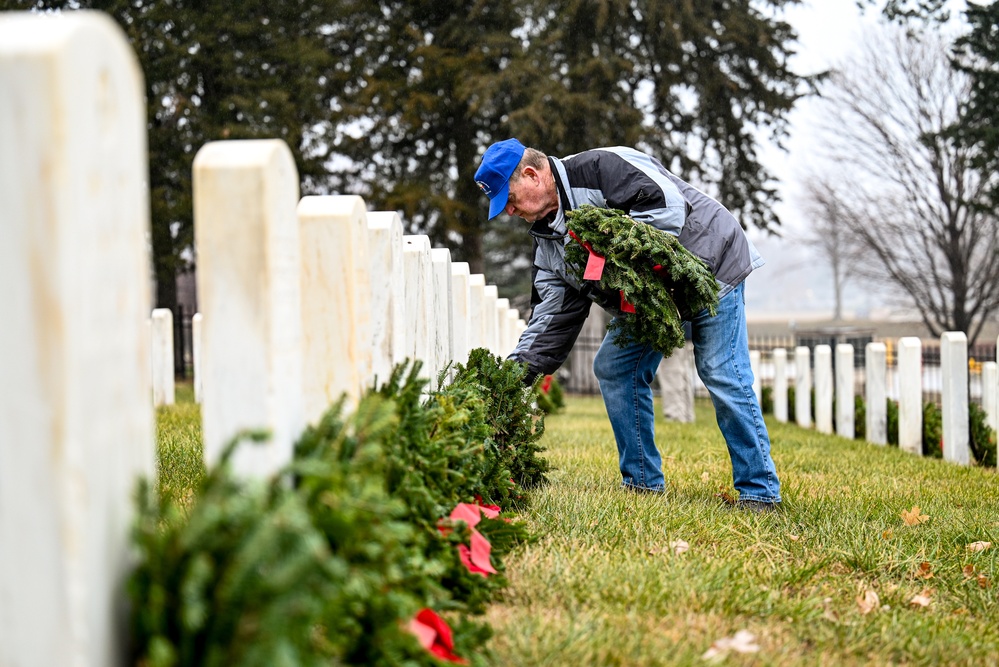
(910, 395)
(196, 356)
(162, 357)
(954, 397)
(780, 384)
(477, 311)
(990, 393)
(76, 416)
(388, 306)
(802, 386)
(502, 305)
(461, 307)
(336, 301)
(443, 317)
(512, 317)
(823, 389)
(845, 395)
(420, 326)
(676, 385)
(754, 364)
(876, 399)
(492, 332)
(249, 290)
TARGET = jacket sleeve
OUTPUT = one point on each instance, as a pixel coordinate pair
(556, 320)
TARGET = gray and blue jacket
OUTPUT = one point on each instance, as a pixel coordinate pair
(638, 184)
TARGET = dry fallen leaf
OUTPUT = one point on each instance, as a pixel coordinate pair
(679, 546)
(979, 546)
(983, 581)
(868, 602)
(913, 517)
(794, 538)
(925, 571)
(968, 571)
(727, 497)
(828, 612)
(705, 476)
(922, 599)
(743, 642)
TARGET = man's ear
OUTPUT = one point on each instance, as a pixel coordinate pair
(531, 173)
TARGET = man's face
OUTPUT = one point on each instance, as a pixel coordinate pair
(532, 196)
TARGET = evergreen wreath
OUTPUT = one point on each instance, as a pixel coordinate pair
(651, 270)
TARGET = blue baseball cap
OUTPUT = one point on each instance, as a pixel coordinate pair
(493, 176)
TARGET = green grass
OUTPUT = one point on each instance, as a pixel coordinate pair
(601, 587)
(179, 462)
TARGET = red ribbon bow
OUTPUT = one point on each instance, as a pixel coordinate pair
(595, 269)
(477, 558)
(434, 634)
(594, 263)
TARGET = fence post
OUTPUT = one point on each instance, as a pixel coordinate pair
(162, 356)
(336, 301)
(196, 356)
(780, 384)
(420, 329)
(910, 395)
(823, 389)
(249, 289)
(876, 394)
(954, 396)
(76, 414)
(443, 351)
(802, 386)
(845, 391)
(388, 308)
(461, 304)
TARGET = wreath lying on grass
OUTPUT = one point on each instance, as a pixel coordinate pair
(649, 267)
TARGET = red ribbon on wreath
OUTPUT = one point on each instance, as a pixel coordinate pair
(477, 558)
(595, 269)
(434, 634)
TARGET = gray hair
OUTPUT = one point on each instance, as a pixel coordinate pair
(532, 158)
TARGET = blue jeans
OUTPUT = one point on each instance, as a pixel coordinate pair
(721, 354)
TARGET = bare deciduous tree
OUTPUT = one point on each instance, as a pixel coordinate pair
(829, 237)
(900, 189)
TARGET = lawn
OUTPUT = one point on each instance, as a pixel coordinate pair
(604, 585)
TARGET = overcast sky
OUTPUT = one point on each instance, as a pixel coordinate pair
(795, 283)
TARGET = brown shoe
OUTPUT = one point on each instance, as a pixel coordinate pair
(757, 506)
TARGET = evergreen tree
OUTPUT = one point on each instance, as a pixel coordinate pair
(429, 85)
(219, 70)
(978, 53)
(396, 99)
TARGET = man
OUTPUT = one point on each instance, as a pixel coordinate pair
(525, 182)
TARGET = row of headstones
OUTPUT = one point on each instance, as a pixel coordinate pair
(467, 313)
(954, 392)
(301, 300)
